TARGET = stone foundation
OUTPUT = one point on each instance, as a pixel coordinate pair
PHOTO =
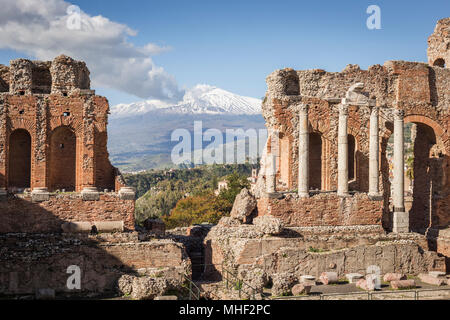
(32, 261)
(18, 213)
(315, 250)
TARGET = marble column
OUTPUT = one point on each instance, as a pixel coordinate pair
(271, 173)
(343, 151)
(374, 185)
(303, 152)
(401, 218)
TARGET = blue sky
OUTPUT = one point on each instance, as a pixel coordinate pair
(234, 45)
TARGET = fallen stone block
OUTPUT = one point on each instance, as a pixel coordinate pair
(353, 277)
(366, 284)
(403, 284)
(437, 274)
(268, 225)
(300, 289)
(244, 205)
(328, 277)
(308, 280)
(426, 278)
(388, 277)
(166, 298)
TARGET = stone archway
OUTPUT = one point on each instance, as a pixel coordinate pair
(62, 164)
(19, 170)
(428, 173)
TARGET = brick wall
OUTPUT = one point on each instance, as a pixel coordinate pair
(20, 214)
(323, 210)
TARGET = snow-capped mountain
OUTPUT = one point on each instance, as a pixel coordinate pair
(202, 99)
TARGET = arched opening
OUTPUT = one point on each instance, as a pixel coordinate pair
(19, 160)
(439, 63)
(62, 159)
(426, 174)
(315, 161)
(351, 157)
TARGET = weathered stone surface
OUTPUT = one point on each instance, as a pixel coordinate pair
(300, 289)
(388, 277)
(254, 276)
(268, 225)
(142, 288)
(283, 283)
(328, 277)
(228, 222)
(243, 206)
(403, 284)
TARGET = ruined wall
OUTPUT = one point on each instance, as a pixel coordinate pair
(31, 262)
(422, 91)
(52, 103)
(311, 251)
(20, 214)
(439, 44)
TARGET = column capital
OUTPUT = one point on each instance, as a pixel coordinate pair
(303, 107)
(398, 114)
(343, 109)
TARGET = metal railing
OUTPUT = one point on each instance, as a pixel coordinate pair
(370, 294)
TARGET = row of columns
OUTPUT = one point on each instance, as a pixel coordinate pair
(401, 222)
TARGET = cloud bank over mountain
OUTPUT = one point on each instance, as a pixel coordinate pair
(46, 28)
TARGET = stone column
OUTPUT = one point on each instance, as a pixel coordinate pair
(401, 218)
(343, 151)
(303, 152)
(271, 173)
(374, 187)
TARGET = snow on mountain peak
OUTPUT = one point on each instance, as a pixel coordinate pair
(201, 99)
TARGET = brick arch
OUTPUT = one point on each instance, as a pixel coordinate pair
(441, 135)
(73, 123)
(20, 123)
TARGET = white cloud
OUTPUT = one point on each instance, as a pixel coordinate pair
(40, 28)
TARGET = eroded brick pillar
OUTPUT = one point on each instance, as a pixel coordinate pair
(374, 184)
(89, 190)
(401, 218)
(303, 152)
(343, 151)
(3, 144)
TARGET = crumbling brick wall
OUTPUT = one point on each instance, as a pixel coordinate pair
(420, 89)
(51, 103)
